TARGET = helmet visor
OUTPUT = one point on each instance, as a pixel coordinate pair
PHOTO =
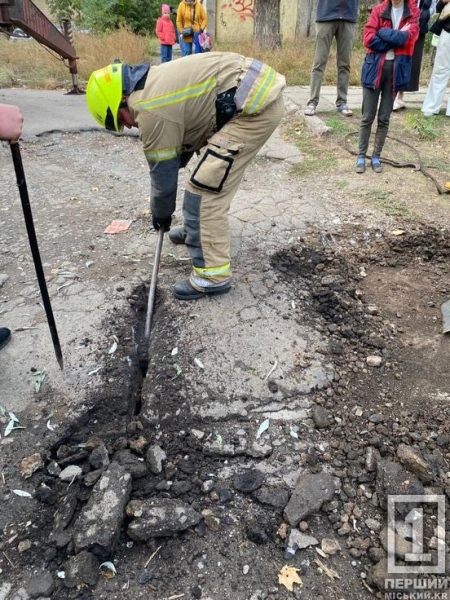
(109, 121)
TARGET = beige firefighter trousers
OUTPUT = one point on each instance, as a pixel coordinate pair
(212, 187)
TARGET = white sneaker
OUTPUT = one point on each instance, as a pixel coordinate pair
(399, 105)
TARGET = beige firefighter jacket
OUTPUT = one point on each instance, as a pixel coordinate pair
(176, 110)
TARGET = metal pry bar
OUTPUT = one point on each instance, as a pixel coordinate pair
(23, 190)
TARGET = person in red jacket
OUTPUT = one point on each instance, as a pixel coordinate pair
(165, 32)
(389, 36)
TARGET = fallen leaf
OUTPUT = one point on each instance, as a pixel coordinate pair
(282, 531)
(199, 363)
(50, 426)
(9, 428)
(288, 576)
(321, 553)
(178, 369)
(39, 377)
(113, 348)
(22, 494)
(30, 464)
(117, 227)
(2, 411)
(262, 428)
(12, 424)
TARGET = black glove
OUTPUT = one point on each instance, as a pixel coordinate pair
(161, 223)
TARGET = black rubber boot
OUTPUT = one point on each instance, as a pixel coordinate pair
(5, 336)
(177, 235)
(185, 291)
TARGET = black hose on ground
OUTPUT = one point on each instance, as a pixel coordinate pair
(417, 166)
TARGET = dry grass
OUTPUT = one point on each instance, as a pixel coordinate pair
(294, 61)
(28, 63)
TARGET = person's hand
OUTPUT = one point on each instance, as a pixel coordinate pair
(161, 223)
(11, 122)
(407, 27)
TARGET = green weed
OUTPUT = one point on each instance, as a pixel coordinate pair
(424, 127)
(385, 202)
(339, 126)
(341, 184)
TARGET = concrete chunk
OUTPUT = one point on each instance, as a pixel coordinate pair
(159, 517)
(416, 463)
(309, 495)
(81, 569)
(98, 526)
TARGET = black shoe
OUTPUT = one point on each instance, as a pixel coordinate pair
(185, 291)
(177, 235)
(5, 336)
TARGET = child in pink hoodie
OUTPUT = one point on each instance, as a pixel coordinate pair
(166, 34)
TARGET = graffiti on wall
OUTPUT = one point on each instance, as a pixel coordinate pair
(243, 9)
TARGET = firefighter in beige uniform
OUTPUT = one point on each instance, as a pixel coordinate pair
(225, 102)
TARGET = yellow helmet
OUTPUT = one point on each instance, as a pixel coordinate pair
(104, 96)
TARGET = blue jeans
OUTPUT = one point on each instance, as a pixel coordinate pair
(186, 48)
(166, 53)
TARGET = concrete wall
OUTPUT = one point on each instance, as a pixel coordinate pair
(234, 20)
